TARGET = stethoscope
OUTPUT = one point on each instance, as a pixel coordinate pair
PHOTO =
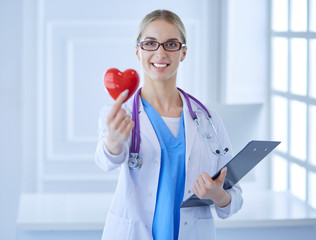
(135, 162)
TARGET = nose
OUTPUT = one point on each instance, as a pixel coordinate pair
(161, 52)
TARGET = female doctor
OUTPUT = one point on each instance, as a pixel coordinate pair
(175, 155)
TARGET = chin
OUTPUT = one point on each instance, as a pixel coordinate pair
(159, 76)
(162, 79)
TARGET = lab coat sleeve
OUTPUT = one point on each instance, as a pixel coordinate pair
(103, 158)
(235, 204)
(235, 192)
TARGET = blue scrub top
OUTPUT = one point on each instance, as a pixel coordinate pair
(171, 178)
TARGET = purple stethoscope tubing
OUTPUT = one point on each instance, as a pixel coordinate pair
(135, 148)
(134, 161)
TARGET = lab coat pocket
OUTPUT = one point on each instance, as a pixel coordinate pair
(116, 227)
(206, 229)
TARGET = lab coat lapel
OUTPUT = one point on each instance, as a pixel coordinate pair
(190, 130)
(147, 129)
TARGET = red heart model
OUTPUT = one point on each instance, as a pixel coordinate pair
(116, 82)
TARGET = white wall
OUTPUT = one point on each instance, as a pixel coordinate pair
(10, 116)
(244, 51)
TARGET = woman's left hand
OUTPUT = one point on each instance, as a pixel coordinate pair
(207, 188)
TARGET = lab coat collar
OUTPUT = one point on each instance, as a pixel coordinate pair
(190, 129)
(146, 128)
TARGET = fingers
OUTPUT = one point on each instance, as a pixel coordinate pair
(122, 123)
(206, 178)
(116, 136)
(120, 119)
(116, 106)
(202, 185)
(197, 192)
(222, 176)
(207, 188)
(125, 124)
(129, 128)
(119, 125)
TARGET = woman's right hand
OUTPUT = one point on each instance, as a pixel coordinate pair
(119, 125)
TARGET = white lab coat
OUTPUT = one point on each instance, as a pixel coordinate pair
(132, 210)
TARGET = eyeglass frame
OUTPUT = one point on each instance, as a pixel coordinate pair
(140, 44)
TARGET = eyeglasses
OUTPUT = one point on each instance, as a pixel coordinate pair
(170, 46)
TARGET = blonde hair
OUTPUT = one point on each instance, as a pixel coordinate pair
(162, 15)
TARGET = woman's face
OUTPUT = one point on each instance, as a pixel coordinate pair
(160, 65)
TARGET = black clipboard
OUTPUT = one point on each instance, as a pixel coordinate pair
(253, 153)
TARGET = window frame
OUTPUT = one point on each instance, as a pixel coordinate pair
(308, 100)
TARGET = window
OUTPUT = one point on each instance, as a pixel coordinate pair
(293, 97)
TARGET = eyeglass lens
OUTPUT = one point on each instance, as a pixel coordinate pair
(154, 45)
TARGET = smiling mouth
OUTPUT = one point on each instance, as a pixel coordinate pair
(158, 65)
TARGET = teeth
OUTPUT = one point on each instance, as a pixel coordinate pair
(160, 65)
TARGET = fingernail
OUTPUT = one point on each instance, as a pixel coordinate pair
(125, 92)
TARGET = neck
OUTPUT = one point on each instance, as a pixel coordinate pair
(164, 97)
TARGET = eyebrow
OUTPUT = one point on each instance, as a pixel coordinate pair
(155, 39)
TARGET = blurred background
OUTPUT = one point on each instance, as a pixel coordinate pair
(252, 61)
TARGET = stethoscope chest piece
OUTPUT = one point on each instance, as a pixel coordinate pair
(134, 162)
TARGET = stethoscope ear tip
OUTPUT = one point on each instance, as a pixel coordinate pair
(218, 152)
